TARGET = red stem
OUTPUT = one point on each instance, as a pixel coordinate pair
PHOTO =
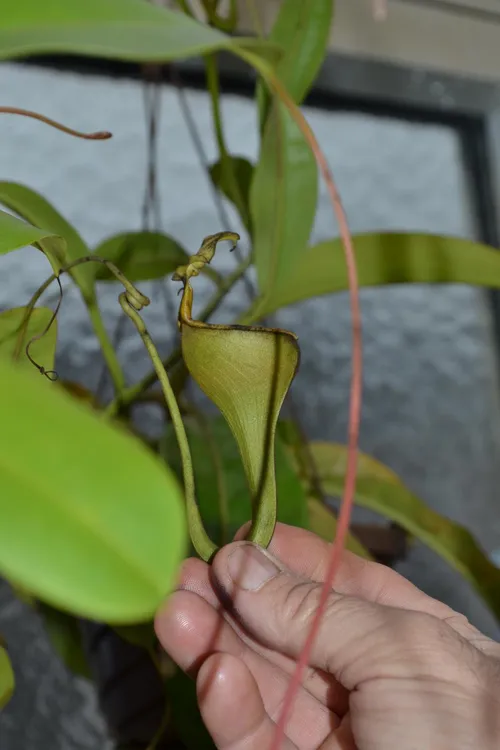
(101, 135)
(353, 429)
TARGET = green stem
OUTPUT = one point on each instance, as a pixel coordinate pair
(130, 394)
(107, 348)
(201, 541)
(257, 23)
(184, 7)
(227, 164)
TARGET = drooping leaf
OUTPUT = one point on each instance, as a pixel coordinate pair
(15, 234)
(322, 519)
(331, 459)
(7, 681)
(283, 199)
(292, 504)
(243, 173)
(92, 522)
(246, 372)
(141, 256)
(378, 489)
(387, 258)
(43, 350)
(34, 208)
(323, 522)
(186, 717)
(117, 29)
(302, 28)
(66, 638)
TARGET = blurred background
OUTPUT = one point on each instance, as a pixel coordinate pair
(407, 110)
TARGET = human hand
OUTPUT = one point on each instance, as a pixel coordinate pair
(392, 669)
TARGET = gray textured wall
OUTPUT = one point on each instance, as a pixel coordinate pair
(431, 406)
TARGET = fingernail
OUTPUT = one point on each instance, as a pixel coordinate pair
(250, 567)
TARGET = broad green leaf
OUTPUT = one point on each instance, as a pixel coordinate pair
(243, 173)
(292, 506)
(92, 522)
(7, 682)
(389, 497)
(43, 351)
(34, 208)
(15, 234)
(186, 717)
(117, 29)
(283, 199)
(323, 522)
(387, 258)
(246, 372)
(140, 256)
(302, 28)
(66, 638)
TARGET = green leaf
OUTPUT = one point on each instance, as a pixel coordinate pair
(7, 682)
(92, 522)
(34, 208)
(186, 717)
(117, 29)
(66, 638)
(292, 504)
(388, 258)
(302, 28)
(43, 351)
(380, 490)
(323, 522)
(15, 234)
(283, 199)
(140, 256)
(243, 171)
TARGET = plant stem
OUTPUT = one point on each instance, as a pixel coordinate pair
(355, 391)
(107, 348)
(227, 164)
(201, 541)
(130, 394)
(257, 23)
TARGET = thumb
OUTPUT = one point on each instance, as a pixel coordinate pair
(357, 640)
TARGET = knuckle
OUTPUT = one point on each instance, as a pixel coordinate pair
(437, 649)
(300, 603)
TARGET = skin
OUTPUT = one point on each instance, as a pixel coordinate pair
(391, 667)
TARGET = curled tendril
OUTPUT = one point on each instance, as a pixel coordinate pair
(49, 374)
(135, 300)
(204, 255)
(100, 135)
